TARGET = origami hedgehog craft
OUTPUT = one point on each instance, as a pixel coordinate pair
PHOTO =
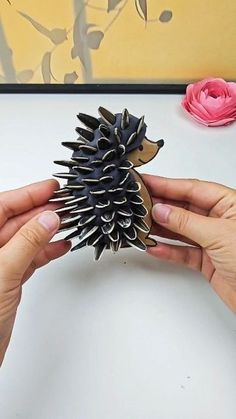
(105, 201)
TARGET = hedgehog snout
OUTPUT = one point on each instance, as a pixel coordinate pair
(160, 143)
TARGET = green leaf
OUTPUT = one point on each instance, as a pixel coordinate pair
(40, 28)
(77, 49)
(166, 16)
(94, 39)
(112, 4)
(141, 7)
(56, 35)
(46, 68)
(25, 76)
(70, 78)
(7, 57)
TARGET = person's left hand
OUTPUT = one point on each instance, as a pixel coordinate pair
(27, 224)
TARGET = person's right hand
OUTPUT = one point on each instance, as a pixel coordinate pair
(203, 215)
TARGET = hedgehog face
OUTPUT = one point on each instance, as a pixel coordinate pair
(146, 151)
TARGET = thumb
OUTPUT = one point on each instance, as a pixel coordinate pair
(20, 251)
(195, 227)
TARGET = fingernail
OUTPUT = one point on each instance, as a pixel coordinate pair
(49, 220)
(161, 213)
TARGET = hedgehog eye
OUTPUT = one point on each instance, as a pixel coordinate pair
(141, 147)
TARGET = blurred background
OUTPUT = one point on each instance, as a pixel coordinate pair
(116, 41)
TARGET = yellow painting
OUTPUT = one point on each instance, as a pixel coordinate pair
(116, 41)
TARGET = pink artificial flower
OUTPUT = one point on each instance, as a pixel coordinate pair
(211, 102)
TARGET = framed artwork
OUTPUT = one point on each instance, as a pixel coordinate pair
(139, 46)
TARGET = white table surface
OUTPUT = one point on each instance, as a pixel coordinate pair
(128, 337)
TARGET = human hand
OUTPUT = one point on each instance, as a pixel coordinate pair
(26, 227)
(203, 215)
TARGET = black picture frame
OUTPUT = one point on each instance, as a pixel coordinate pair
(94, 88)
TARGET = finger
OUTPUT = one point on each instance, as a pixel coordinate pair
(200, 229)
(20, 200)
(181, 204)
(19, 252)
(51, 251)
(160, 231)
(200, 193)
(15, 223)
(182, 255)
